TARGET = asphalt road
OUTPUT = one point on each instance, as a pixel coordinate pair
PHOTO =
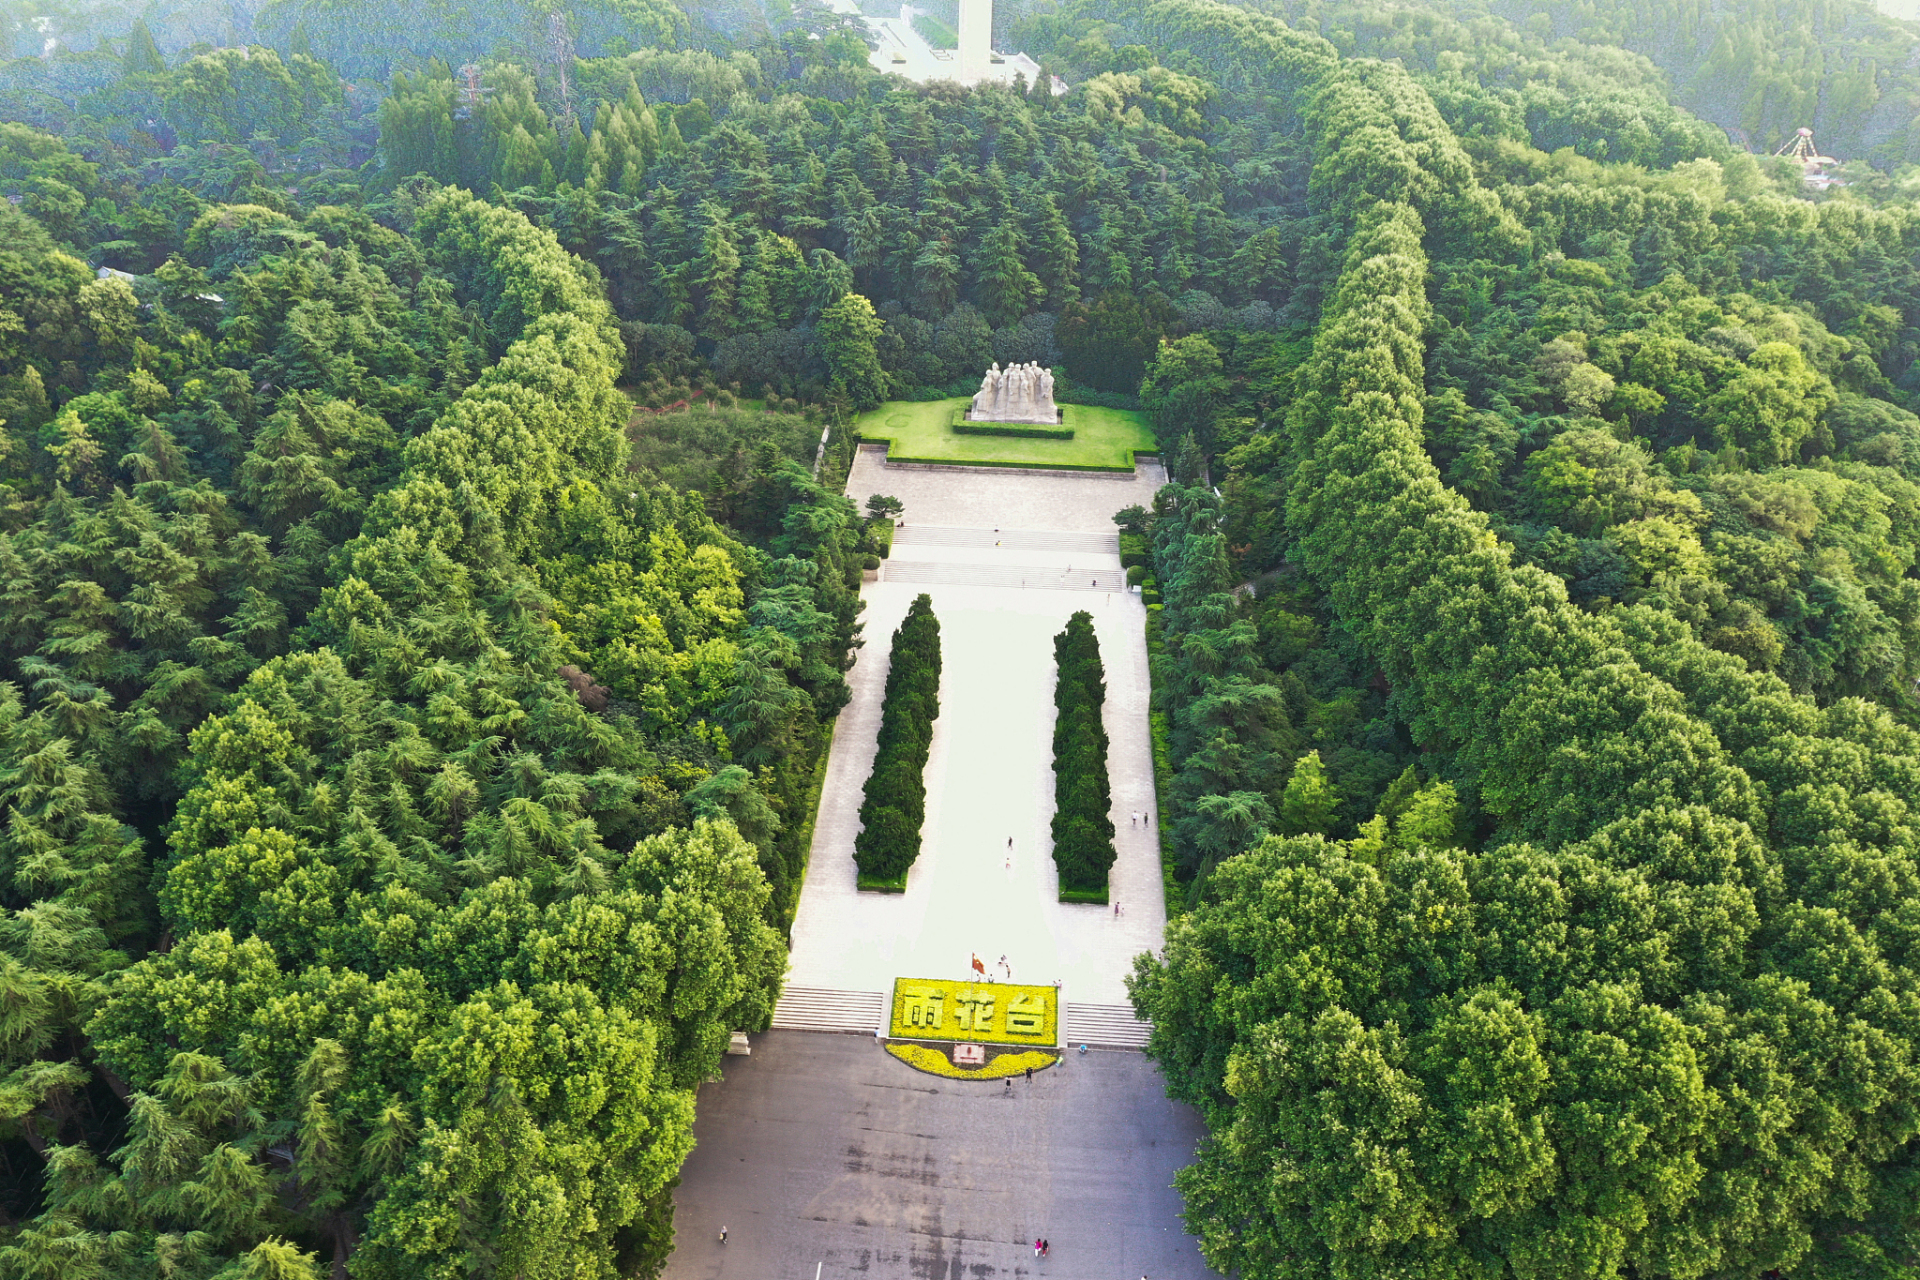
(823, 1151)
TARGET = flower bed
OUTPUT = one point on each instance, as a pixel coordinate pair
(942, 1009)
(934, 1060)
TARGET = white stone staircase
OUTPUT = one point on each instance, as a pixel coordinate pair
(1105, 1026)
(818, 1009)
(930, 535)
(941, 573)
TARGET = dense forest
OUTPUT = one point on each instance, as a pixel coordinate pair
(402, 768)
(425, 595)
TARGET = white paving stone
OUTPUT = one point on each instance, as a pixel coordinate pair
(983, 497)
(990, 775)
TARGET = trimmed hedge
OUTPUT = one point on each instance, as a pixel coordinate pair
(1021, 430)
(1133, 550)
(1024, 431)
(896, 794)
(1160, 730)
(1083, 800)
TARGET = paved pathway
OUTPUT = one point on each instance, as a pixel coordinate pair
(990, 776)
(822, 1151)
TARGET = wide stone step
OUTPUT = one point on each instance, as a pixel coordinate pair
(1106, 1026)
(820, 1009)
(934, 573)
(1015, 539)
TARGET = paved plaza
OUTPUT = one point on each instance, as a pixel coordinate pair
(1001, 595)
(820, 1151)
(1004, 497)
(822, 1155)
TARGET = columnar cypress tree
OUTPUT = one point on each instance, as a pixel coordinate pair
(896, 794)
(1083, 801)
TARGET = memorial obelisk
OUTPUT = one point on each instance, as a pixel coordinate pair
(975, 55)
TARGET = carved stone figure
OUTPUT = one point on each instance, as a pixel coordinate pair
(1017, 393)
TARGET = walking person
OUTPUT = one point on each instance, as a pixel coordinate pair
(723, 1235)
(1009, 1092)
(1029, 1075)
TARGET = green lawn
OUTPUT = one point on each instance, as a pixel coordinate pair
(1105, 439)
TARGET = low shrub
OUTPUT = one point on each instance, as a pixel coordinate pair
(962, 426)
(1021, 430)
(895, 804)
(1066, 391)
(1083, 799)
(1133, 549)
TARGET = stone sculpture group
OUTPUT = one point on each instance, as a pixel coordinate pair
(1017, 393)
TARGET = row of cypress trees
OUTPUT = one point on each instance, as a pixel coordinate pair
(896, 794)
(1083, 801)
